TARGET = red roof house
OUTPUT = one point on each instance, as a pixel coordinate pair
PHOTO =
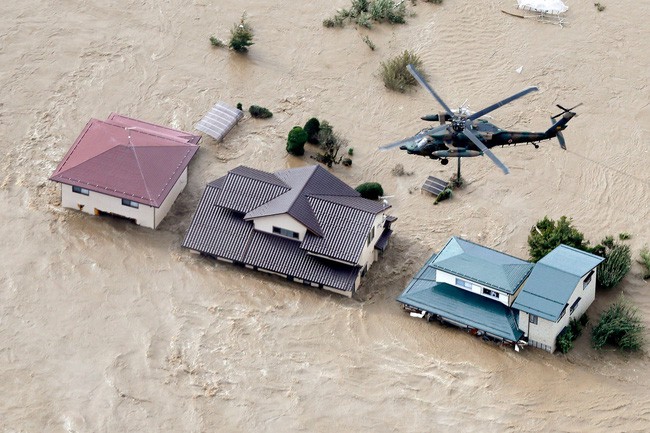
(126, 167)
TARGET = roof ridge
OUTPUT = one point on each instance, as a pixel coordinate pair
(489, 248)
(283, 183)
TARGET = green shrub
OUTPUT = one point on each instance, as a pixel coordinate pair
(618, 259)
(216, 42)
(259, 112)
(576, 326)
(365, 12)
(370, 190)
(445, 194)
(564, 340)
(240, 107)
(394, 73)
(329, 143)
(599, 7)
(351, 151)
(619, 326)
(311, 128)
(645, 261)
(547, 234)
(296, 141)
(624, 236)
(241, 35)
(370, 44)
(388, 10)
(346, 162)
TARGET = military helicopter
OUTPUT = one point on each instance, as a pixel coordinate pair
(464, 134)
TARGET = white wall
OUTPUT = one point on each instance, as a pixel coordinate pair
(166, 205)
(143, 216)
(284, 221)
(445, 277)
(369, 254)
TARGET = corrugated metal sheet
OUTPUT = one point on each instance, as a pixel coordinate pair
(219, 121)
(216, 231)
(243, 194)
(459, 305)
(483, 265)
(126, 160)
(345, 231)
(286, 257)
(382, 242)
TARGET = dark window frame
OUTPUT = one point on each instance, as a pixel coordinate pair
(80, 190)
(574, 305)
(491, 293)
(130, 203)
(286, 233)
(464, 283)
(587, 279)
(533, 319)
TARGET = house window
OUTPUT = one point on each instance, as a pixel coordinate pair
(463, 283)
(371, 235)
(587, 280)
(285, 232)
(491, 293)
(80, 190)
(573, 307)
(563, 312)
(532, 319)
(130, 203)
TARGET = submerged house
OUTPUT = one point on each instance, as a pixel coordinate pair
(501, 296)
(126, 167)
(303, 224)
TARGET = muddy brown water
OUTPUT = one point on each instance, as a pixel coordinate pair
(106, 326)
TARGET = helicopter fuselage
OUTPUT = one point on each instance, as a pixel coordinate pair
(452, 142)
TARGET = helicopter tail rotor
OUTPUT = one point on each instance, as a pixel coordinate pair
(564, 110)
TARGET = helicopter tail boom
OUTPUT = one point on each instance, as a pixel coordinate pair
(559, 125)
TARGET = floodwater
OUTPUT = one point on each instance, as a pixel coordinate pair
(109, 327)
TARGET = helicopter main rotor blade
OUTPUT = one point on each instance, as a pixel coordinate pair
(501, 103)
(469, 134)
(416, 138)
(424, 84)
(411, 140)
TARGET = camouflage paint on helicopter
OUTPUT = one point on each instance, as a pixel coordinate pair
(467, 135)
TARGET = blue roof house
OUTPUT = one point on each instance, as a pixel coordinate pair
(303, 224)
(506, 298)
(561, 287)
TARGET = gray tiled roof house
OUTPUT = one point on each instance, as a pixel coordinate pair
(303, 223)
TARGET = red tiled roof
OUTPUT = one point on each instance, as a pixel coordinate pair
(127, 158)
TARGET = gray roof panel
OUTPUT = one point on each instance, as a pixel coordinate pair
(345, 231)
(216, 231)
(243, 194)
(286, 257)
